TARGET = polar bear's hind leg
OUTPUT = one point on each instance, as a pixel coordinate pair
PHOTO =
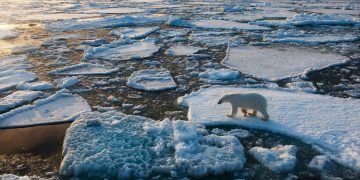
(253, 113)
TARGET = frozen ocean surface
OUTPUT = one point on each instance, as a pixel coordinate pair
(327, 122)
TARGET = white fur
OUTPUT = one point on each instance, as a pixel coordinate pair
(253, 101)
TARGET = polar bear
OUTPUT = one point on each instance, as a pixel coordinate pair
(253, 101)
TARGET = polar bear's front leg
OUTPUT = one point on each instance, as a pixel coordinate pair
(234, 111)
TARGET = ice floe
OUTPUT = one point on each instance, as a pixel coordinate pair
(35, 86)
(214, 38)
(319, 163)
(180, 50)
(11, 78)
(109, 22)
(115, 145)
(313, 19)
(275, 63)
(329, 123)
(127, 51)
(151, 80)
(8, 32)
(278, 159)
(315, 39)
(14, 63)
(134, 33)
(84, 69)
(18, 98)
(221, 24)
(218, 76)
(58, 108)
(68, 82)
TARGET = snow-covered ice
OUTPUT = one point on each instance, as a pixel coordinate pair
(11, 78)
(231, 25)
(114, 52)
(212, 38)
(18, 98)
(15, 177)
(115, 145)
(58, 108)
(278, 159)
(319, 162)
(8, 32)
(134, 33)
(219, 75)
(14, 63)
(314, 39)
(329, 123)
(35, 86)
(275, 63)
(180, 50)
(151, 80)
(313, 19)
(68, 82)
(84, 69)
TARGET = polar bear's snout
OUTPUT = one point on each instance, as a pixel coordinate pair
(220, 101)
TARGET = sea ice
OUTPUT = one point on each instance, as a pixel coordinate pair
(11, 78)
(18, 98)
(119, 52)
(180, 50)
(8, 32)
(314, 39)
(221, 24)
(329, 123)
(35, 86)
(23, 49)
(216, 38)
(318, 163)
(14, 63)
(275, 63)
(108, 22)
(54, 16)
(218, 76)
(151, 80)
(84, 69)
(134, 33)
(170, 33)
(58, 108)
(68, 82)
(313, 19)
(115, 145)
(278, 159)
(118, 10)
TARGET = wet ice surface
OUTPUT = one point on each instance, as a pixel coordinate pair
(138, 57)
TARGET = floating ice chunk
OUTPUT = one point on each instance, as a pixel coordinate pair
(278, 159)
(329, 123)
(23, 49)
(14, 63)
(8, 32)
(107, 145)
(216, 38)
(318, 163)
(68, 82)
(308, 19)
(151, 80)
(219, 76)
(95, 42)
(134, 33)
(58, 108)
(353, 93)
(109, 22)
(242, 17)
(180, 50)
(18, 98)
(221, 24)
(178, 22)
(35, 86)
(204, 156)
(84, 69)
(114, 52)
(15, 177)
(11, 78)
(302, 86)
(315, 39)
(169, 33)
(275, 63)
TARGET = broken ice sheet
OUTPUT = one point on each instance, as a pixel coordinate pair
(275, 63)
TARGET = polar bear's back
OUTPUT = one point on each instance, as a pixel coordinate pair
(251, 101)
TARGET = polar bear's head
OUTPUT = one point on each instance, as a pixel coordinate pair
(224, 99)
